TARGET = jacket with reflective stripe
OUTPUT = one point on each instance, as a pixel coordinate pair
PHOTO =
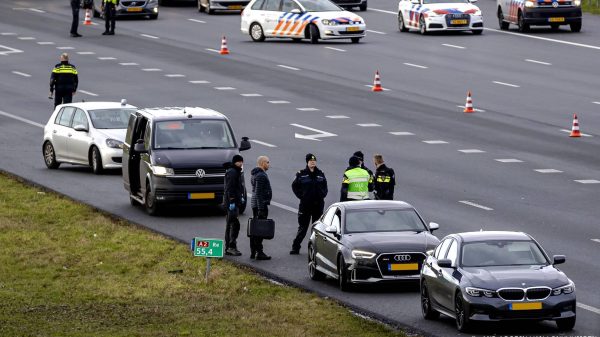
(356, 184)
(111, 1)
(64, 78)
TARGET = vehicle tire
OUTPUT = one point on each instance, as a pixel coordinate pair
(296, 39)
(426, 309)
(200, 7)
(50, 156)
(256, 32)
(355, 39)
(575, 27)
(477, 31)
(209, 10)
(150, 202)
(401, 25)
(314, 34)
(343, 282)
(96, 161)
(153, 16)
(363, 7)
(313, 273)
(503, 24)
(554, 26)
(523, 27)
(422, 26)
(565, 324)
(463, 323)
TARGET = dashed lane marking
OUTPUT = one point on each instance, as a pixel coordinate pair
(452, 46)
(198, 21)
(507, 84)
(433, 142)
(336, 49)
(262, 143)
(307, 109)
(596, 240)
(8, 34)
(224, 88)
(474, 109)
(36, 10)
(213, 50)
(128, 64)
(151, 69)
(86, 53)
(9, 50)
(106, 58)
(150, 36)
(26, 38)
(471, 151)
(548, 171)
(538, 62)
(368, 125)
(382, 11)
(476, 205)
(509, 160)
(199, 82)
(401, 133)
(316, 136)
(583, 134)
(545, 39)
(88, 93)
(251, 95)
(20, 73)
(282, 206)
(65, 48)
(44, 43)
(415, 65)
(596, 103)
(376, 32)
(174, 75)
(337, 117)
(287, 67)
(24, 120)
(587, 181)
(279, 102)
(371, 86)
(588, 308)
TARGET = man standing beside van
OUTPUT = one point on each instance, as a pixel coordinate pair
(234, 198)
(261, 198)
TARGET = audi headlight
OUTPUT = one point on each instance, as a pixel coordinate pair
(577, 3)
(530, 4)
(361, 254)
(113, 143)
(569, 288)
(478, 13)
(162, 171)
(478, 292)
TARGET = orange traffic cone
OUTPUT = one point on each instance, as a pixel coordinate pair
(575, 130)
(469, 104)
(377, 82)
(88, 17)
(224, 50)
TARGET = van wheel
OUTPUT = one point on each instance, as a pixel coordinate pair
(575, 27)
(314, 34)
(256, 32)
(554, 26)
(96, 161)
(150, 202)
(523, 27)
(50, 156)
(503, 24)
(355, 39)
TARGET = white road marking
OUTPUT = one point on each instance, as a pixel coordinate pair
(10, 50)
(583, 134)
(65, 48)
(507, 84)
(316, 136)
(452, 46)
(509, 160)
(26, 38)
(194, 20)
(86, 53)
(199, 82)
(596, 240)
(371, 86)
(44, 43)
(282, 206)
(336, 49)
(307, 109)
(36, 10)
(471, 151)
(474, 109)
(150, 36)
(224, 88)
(128, 64)
(587, 181)
(596, 103)
(435, 142)
(588, 308)
(401, 133)
(287, 67)
(8, 34)
(548, 171)
(476, 205)
(262, 143)
(381, 10)
(337, 117)
(213, 50)
(415, 65)
(20, 73)
(368, 125)
(24, 120)
(87, 93)
(106, 58)
(251, 95)
(546, 39)
(174, 75)
(151, 69)
(538, 62)
(376, 32)
(279, 102)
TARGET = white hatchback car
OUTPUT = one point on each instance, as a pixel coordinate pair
(87, 133)
(301, 19)
(436, 15)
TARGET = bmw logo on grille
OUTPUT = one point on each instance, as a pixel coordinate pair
(403, 258)
(555, 4)
(200, 173)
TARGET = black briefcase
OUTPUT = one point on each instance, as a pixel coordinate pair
(261, 228)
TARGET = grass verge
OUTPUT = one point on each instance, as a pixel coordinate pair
(591, 6)
(67, 270)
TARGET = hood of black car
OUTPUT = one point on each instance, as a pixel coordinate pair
(386, 242)
(194, 158)
(515, 276)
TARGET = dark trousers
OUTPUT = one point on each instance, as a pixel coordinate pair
(232, 229)
(110, 14)
(306, 216)
(256, 244)
(63, 97)
(75, 23)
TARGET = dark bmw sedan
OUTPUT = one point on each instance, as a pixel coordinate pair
(496, 276)
(368, 242)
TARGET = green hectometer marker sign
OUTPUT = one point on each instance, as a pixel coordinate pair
(207, 247)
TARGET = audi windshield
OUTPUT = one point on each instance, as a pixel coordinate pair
(502, 253)
(193, 134)
(110, 118)
(382, 220)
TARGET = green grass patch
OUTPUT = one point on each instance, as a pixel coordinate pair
(67, 270)
(591, 6)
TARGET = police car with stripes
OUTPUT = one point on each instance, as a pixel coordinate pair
(301, 19)
(437, 15)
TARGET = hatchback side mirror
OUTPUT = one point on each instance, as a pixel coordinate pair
(558, 259)
(245, 144)
(80, 128)
(416, 2)
(472, 1)
(433, 226)
(444, 263)
(140, 147)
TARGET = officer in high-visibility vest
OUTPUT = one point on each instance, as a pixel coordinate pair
(63, 81)
(110, 13)
(355, 185)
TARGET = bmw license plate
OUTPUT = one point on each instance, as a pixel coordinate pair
(201, 195)
(403, 266)
(458, 22)
(526, 306)
(134, 9)
(235, 7)
(352, 29)
(556, 19)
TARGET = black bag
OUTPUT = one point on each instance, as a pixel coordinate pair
(261, 228)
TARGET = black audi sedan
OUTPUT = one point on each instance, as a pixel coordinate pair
(368, 242)
(495, 276)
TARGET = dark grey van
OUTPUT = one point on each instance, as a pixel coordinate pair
(178, 155)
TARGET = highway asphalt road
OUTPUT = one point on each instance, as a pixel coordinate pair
(509, 166)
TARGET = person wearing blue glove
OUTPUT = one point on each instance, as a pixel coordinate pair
(234, 197)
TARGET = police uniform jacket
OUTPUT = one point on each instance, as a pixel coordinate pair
(310, 187)
(64, 78)
(384, 180)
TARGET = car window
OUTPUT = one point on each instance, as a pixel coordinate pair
(65, 116)
(272, 5)
(336, 222)
(443, 249)
(383, 220)
(79, 119)
(147, 136)
(445, 2)
(452, 252)
(258, 4)
(288, 5)
(193, 134)
(436, 252)
(502, 253)
(110, 118)
(329, 216)
(319, 6)
(57, 118)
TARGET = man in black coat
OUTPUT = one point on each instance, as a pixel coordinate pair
(63, 81)
(384, 180)
(75, 7)
(310, 186)
(233, 199)
(261, 198)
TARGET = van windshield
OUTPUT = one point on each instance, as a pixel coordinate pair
(193, 134)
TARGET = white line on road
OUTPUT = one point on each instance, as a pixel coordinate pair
(368, 125)
(20, 73)
(452, 46)
(282, 206)
(10, 50)
(476, 205)
(262, 143)
(596, 240)
(538, 62)
(401, 133)
(224, 88)
(88, 93)
(376, 32)
(546, 39)
(548, 171)
(6, 114)
(151, 69)
(86, 53)
(435, 142)
(471, 151)
(36, 10)
(588, 308)
(279, 102)
(149, 36)
(307, 109)
(251, 95)
(106, 58)
(199, 82)
(596, 103)
(65, 48)
(319, 133)
(415, 65)
(336, 49)
(583, 134)
(26, 38)
(509, 160)
(213, 50)
(287, 67)
(371, 86)
(8, 34)
(506, 84)
(174, 75)
(382, 11)
(337, 117)
(588, 181)
(194, 20)
(128, 64)
(44, 43)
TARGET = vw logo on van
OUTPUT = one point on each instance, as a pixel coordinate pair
(403, 257)
(200, 173)
(555, 4)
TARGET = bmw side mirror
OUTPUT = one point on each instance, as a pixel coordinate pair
(296, 11)
(558, 259)
(140, 147)
(444, 263)
(80, 128)
(245, 144)
(433, 226)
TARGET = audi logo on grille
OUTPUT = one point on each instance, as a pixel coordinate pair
(555, 4)
(200, 173)
(402, 257)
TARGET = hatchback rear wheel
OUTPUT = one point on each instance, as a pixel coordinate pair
(96, 161)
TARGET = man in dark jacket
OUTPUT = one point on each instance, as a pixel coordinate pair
(261, 198)
(63, 81)
(234, 198)
(75, 6)
(310, 186)
(384, 180)
(361, 156)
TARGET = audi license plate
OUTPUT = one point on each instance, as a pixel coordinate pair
(201, 195)
(556, 19)
(526, 306)
(352, 29)
(458, 22)
(234, 7)
(403, 266)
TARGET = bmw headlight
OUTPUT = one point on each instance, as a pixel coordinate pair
(162, 171)
(361, 254)
(530, 4)
(478, 292)
(329, 22)
(113, 143)
(567, 289)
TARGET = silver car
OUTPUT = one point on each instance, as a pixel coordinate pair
(87, 133)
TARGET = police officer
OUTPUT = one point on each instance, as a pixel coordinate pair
(384, 179)
(234, 198)
(110, 14)
(361, 156)
(355, 185)
(310, 186)
(63, 81)
(75, 6)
